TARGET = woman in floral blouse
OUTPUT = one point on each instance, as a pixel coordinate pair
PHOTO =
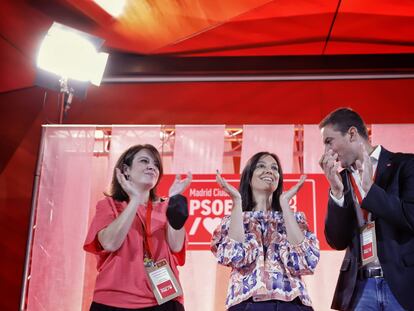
(267, 245)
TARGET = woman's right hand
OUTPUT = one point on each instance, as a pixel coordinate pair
(126, 185)
(236, 227)
(229, 189)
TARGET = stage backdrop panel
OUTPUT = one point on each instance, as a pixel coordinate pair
(123, 137)
(98, 186)
(198, 149)
(58, 261)
(312, 149)
(321, 285)
(277, 139)
(72, 181)
(394, 137)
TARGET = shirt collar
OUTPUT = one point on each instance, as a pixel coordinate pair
(374, 156)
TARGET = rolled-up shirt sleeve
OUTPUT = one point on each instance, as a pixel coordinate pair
(302, 258)
(105, 214)
(230, 252)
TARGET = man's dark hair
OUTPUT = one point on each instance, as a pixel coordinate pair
(344, 118)
(245, 188)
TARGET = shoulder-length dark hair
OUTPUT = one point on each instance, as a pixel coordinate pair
(245, 188)
(116, 191)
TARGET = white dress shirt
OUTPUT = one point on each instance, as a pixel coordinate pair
(374, 161)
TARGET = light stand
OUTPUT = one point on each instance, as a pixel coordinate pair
(66, 96)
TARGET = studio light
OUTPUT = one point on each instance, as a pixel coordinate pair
(68, 61)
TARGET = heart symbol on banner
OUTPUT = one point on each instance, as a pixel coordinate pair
(211, 223)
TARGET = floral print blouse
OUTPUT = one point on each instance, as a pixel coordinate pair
(266, 266)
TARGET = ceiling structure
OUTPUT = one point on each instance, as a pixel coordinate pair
(198, 61)
(249, 44)
(244, 30)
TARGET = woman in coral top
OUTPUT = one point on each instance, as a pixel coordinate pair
(132, 230)
(267, 245)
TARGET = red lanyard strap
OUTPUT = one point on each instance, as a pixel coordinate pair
(356, 189)
(147, 230)
(358, 193)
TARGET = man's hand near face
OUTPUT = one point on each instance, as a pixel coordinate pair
(330, 165)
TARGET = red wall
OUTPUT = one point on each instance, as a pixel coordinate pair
(22, 113)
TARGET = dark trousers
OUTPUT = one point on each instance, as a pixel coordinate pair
(171, 305)
(271, 305)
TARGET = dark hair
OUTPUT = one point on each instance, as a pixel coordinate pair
(245, 188)
(116, 191)
(344, 118)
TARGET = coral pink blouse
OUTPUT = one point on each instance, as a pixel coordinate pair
(122, 280)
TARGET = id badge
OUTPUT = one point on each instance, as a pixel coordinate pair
(163, 282)
(368, 243)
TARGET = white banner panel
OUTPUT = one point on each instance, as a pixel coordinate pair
(277, 139)
(312, 149)
(394, 137)
(58, 261)
(198, 149)
(126, 136)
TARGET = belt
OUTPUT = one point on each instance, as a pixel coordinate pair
(371, 273)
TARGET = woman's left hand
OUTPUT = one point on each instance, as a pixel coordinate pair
(289, 194)
(179, 185)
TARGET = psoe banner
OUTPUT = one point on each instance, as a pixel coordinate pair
(208, 203)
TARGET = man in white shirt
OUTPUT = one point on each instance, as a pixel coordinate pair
(370, 214)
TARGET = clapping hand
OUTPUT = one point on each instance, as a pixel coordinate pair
(126, 184)
(365, 169)
(289, 194)
(179, 185)
(229, 189)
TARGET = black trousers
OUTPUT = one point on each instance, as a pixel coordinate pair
(271, 305)
(171, 305)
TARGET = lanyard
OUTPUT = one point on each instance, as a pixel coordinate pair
(147, 230)
(358, 192)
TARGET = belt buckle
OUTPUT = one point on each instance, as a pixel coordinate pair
(381, 273)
